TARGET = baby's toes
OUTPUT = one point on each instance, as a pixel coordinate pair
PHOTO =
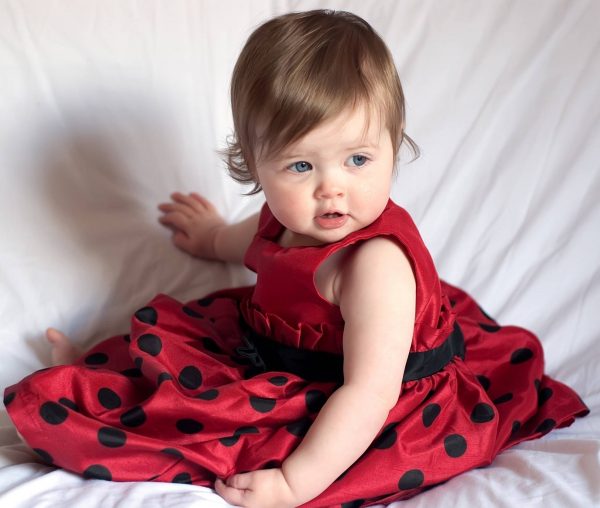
(56, 337)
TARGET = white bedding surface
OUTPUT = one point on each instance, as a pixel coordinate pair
(108, 106)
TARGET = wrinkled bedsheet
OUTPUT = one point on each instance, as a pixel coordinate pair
(108, 106)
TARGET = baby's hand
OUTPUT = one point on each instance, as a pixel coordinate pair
(266, 488)
(194, 221)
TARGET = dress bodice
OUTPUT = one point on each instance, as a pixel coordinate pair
(287, 306)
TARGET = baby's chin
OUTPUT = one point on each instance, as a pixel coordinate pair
(325, 236)
(296, 239)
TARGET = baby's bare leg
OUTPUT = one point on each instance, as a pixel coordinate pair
(63, 352)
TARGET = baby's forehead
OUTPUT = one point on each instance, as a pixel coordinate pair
(352, 129)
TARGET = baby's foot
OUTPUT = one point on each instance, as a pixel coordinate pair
(63, 352)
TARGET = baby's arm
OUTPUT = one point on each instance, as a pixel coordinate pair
(376, 294)
(377, 301)
(199, 230)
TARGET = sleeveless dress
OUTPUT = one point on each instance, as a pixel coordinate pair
(231, 383)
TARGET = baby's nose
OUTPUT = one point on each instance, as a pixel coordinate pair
(330, 185)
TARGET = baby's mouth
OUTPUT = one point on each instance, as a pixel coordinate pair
(331, 220)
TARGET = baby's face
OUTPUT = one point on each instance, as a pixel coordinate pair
(333, 181)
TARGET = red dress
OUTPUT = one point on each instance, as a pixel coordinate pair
(232, 382)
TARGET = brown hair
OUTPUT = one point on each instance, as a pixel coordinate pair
(300, 69)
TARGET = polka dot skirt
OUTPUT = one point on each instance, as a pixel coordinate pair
(174, 399)
(181, 399)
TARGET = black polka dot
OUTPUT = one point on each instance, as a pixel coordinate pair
(278, 380)
(230, 441)
(248, 429)
(411, 479)
(543, 395)
(208, 395)
(455, 445)
(537, 383)
(430, 413)
(357, 503)
(127, 337)
(482, 413)
(315, 399)
(44, 455)
(489, 328)
(134, 417)
(173, 451)
(503, 398)
(546, 426)
(9, 398)
(96, 359)
(138, 362)
(521, 355)
(210, 345)
(182, 478)
(190, 377)
(262, 404)
(387, 438)
(108, 398)
(132, 372)
(204, 302)
(97, 472)
(53, 413)
(191, 312)
(68, 403)
(164, 376)
(150, 343)
(516, 426)
(189, 426)
(147, 315)
(111, 437)
(484, 381)
(299, 428)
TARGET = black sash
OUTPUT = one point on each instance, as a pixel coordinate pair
(268, 355)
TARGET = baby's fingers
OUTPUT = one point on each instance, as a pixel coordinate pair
(207, 204)
(174, 220)
(240, 481)
(232, 495)
(181, 208)
(193, 200)
(182, 241)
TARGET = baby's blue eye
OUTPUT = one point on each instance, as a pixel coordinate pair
(300, 167)
(357, 160)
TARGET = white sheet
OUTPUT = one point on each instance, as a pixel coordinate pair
(108, 106)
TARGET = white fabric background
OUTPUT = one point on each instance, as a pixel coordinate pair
(108, 106)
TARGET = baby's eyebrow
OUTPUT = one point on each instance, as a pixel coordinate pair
(353, 148)
(284, 156)
(368, 146)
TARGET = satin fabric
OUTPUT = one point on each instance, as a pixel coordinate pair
(178, 399)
